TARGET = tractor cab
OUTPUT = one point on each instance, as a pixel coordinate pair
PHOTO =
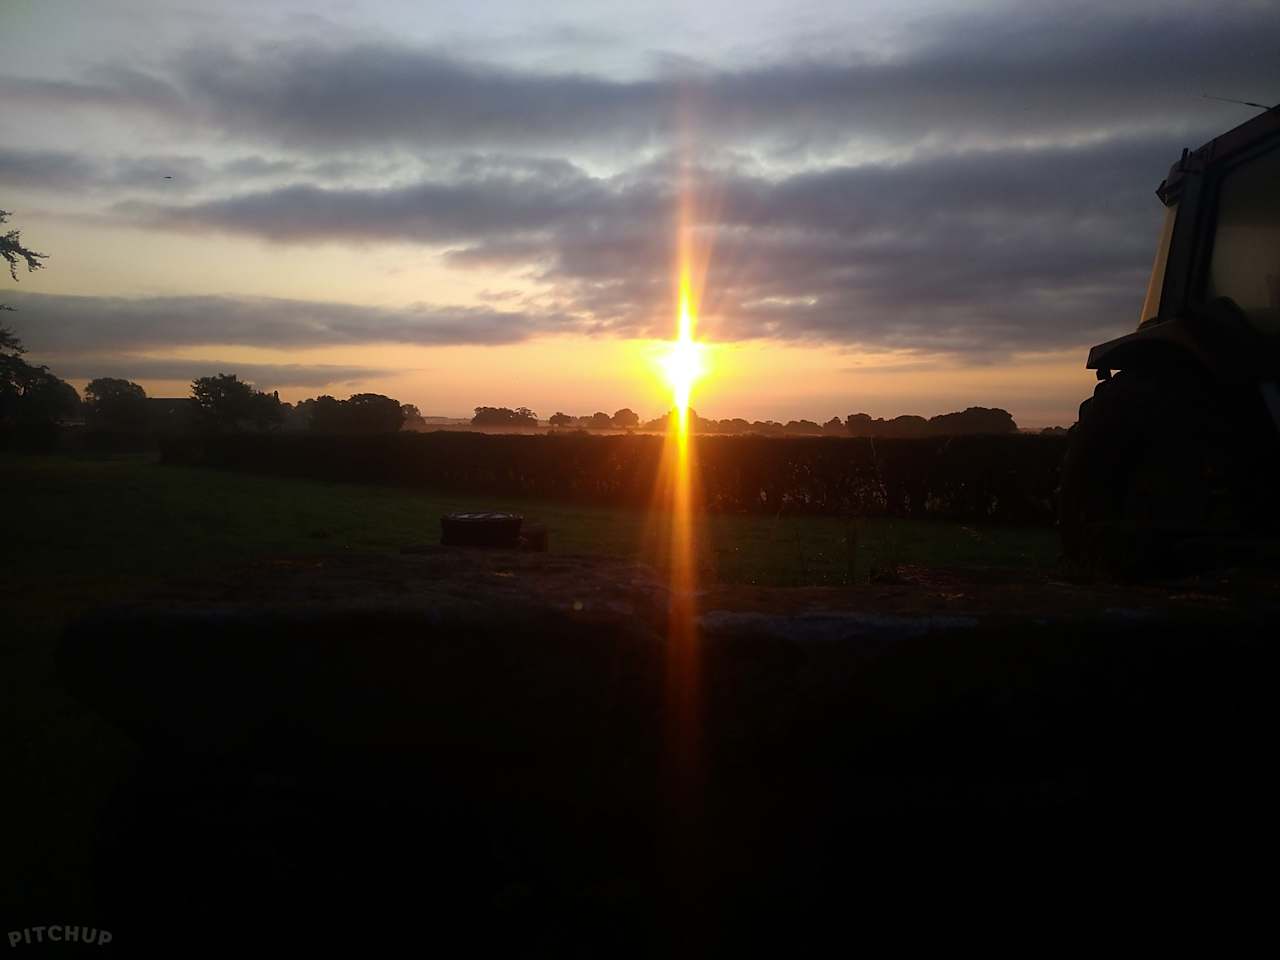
(1180, 444)
(1217, 260)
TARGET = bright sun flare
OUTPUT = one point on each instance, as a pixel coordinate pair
(683, 362)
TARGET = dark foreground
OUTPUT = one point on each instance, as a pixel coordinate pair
(489, 746)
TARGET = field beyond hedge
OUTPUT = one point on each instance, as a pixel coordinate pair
(87, 529)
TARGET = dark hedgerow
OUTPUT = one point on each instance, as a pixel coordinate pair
(998, 478)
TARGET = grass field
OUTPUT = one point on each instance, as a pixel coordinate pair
(95, 528)
(83, 533)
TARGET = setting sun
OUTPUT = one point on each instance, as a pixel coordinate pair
(683, 363)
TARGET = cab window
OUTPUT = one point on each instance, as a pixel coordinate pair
(1245, 260)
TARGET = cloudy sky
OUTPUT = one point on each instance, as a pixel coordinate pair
(476, 203)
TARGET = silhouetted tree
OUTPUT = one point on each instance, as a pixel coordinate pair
(323, 414)
(28, 393)
(413, 419)
(803, 427)
(13, 371)
(970, 422)
(115, 404)
(625, 418)
(362, 413)
(663, 423)
(559, 419)
(267, 410)
(736, 425)
(600, 421)
(14, 252)
(504, 417)
(32, 394)
(862, 425)
(373, 413)
(299, 416)
(225, 402)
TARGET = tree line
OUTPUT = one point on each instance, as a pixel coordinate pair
(974, 421)
(624, 419)
(224, 403)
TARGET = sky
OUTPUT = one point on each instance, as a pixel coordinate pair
(902, 208)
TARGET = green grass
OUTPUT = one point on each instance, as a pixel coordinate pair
(96, 527)
(82, 533)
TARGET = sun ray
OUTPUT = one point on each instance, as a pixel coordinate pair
(684, 364)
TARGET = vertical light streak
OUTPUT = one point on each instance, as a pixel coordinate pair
(677, 492)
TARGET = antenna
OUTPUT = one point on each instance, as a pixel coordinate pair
(1243, 103)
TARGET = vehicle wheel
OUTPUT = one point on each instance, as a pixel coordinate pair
(1150, 464)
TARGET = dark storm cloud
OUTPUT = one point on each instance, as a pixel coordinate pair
(65, 171)
(112, 88)
(432, 212)
(985, 76)
(1010, 249)
(45, 169)
(265, 376)
(70, 325)
(995, 251)
(499, 212)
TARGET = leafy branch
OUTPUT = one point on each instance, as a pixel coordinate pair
(14, 252)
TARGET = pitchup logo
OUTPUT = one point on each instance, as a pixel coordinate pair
(59, 933)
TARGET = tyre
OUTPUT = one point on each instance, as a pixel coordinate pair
(1151, 465)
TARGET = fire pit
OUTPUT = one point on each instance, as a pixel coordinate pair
(480, 530)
